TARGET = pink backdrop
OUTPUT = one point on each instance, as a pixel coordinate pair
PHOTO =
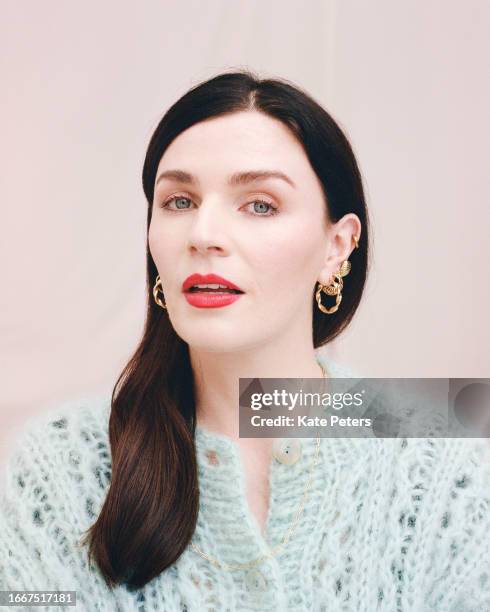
(84, 85)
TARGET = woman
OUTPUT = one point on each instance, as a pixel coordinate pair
(257, 256)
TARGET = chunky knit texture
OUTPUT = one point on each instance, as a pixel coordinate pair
(389, 524)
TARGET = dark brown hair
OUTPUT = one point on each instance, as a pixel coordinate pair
(150, 512)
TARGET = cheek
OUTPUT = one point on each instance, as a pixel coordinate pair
(287, 258)
(161, 243)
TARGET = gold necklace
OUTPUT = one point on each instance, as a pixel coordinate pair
(273, 551)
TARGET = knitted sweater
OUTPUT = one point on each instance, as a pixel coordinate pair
(388, 525)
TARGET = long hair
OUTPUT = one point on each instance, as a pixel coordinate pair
(150, 512)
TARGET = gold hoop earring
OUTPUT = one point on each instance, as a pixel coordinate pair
(335, 288)
(158, 286)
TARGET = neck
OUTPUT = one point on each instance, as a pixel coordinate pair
(216, 378)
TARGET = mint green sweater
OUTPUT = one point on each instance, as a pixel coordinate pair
(388, 525)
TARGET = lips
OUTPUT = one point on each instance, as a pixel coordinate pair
(207, 279)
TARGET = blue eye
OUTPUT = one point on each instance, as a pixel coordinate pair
(179, 199)
(273, 209)
(176, 199)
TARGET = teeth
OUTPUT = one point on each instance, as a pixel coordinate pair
(215, 286)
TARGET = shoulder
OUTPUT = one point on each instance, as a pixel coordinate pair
(335, 368)
(456, 470)
(82, 417)
(444, 503)
(69, 434)
(54, 481)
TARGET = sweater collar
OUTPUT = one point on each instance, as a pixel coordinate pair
(213, 443)
(225, 522)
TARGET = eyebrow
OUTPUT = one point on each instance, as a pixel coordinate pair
(238, 178)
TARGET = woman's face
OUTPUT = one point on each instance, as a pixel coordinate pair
(267, 235)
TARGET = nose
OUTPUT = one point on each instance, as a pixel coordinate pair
(208, 230)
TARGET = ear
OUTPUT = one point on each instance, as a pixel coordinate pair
(340, 245)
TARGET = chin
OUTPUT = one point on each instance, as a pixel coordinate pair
(212, 347)
(218, 341)
(206, 336)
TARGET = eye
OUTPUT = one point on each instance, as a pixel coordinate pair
(178, 200)
(262, 203)
(180, 205)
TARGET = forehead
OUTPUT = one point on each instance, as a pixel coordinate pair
(237, 141)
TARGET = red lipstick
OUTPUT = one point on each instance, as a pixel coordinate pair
(210, 297)
(207, 279)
